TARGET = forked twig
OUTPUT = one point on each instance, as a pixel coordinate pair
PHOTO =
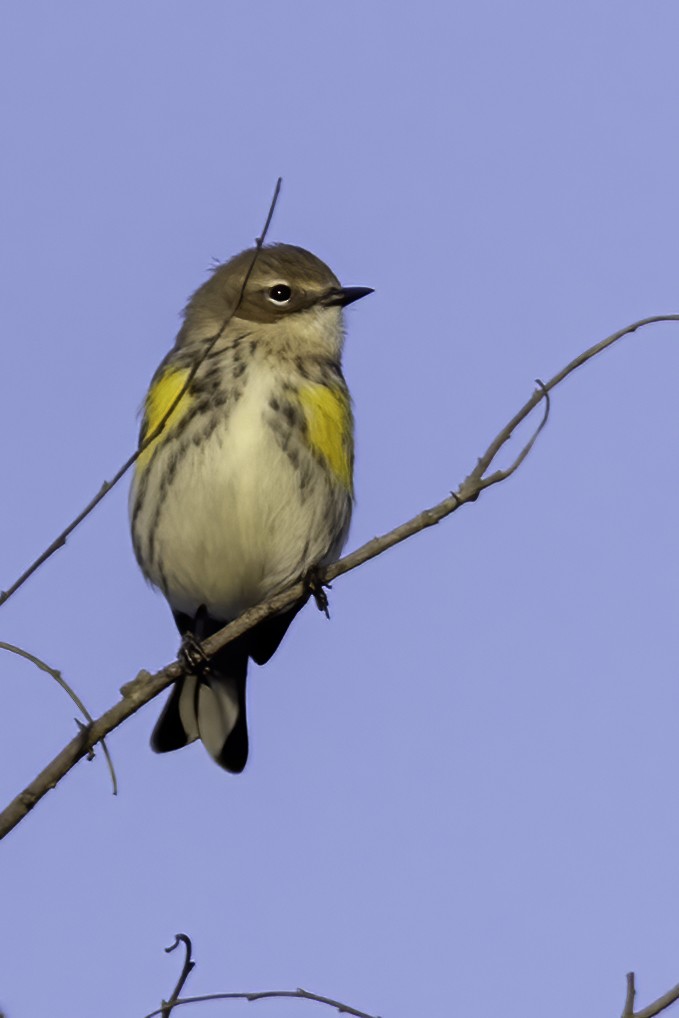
(176, 1001)
(659, 1005)
(58, 677)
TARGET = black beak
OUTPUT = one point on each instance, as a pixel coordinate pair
(343, 295)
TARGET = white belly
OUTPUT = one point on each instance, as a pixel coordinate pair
(236, 525)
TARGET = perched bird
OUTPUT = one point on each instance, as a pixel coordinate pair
(249, 486)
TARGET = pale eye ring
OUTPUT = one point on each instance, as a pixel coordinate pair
(279, 293)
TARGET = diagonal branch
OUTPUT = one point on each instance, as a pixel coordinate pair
(145, 686)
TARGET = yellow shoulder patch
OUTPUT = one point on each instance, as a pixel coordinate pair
(163, 392)
(330, 428)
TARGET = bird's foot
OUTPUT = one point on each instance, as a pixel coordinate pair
(314, 583)
(192, 655)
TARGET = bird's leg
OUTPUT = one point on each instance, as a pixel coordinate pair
(314, 583)
(191, 654)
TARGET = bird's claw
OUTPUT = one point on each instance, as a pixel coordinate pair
(192, 655)
(316, 588)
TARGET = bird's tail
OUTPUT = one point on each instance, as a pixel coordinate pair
(209, 707)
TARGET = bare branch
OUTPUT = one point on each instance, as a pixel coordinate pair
(502, 475)
(659, 1005)
(145, 686)
(299, 994)
(58, 677)
(189, 965)
(628, 1009)
(175, 1001)
(506, 433)
(60, 541)
(656, 1008)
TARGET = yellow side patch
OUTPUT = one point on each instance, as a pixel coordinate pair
(160, 397)
(330, 428)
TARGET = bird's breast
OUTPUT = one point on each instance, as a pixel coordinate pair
(247, 494)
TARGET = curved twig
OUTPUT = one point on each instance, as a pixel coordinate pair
(58, 677)
(502, 475)
(60, 541)
(175, 1000)
(145, 686)
(189, 965)
(299, 994)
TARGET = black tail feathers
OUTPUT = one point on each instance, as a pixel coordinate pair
(209, 707)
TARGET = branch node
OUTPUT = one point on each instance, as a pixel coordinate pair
(129, 689)
(84, 730)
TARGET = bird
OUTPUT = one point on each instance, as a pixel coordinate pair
(248, 486)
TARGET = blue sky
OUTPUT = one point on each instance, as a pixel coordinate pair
(461, 790)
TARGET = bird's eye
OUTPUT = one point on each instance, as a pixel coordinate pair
(280, 293)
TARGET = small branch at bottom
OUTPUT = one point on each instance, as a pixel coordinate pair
(659, 1005)
(299, 994)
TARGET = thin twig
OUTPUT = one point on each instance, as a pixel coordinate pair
(175, 1001)
(58, 677)
(592, 351)
(502, 475)
(189, 965)
(145, 686)
(299, 994)
(628, 1009)
(659, 1005)
(60, 541)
